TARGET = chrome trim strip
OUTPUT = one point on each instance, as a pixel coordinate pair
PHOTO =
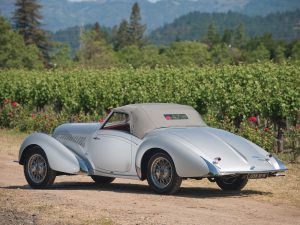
(117, 175)
(251, 172)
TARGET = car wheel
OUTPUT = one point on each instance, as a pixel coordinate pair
(37, 171)
(232, 183)
(161, 174)
(102, 180)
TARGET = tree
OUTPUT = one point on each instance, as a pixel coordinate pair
(222, 54)
(212, 37)
(28, 23)
(121, 36)
(61, 55)
(98, 32)
(239, 38)
(95, 52)
(261, 53)
(279, 54)
(13, 51)
(131, 55)
(295, 53)
(135, 29)
(187, 52)
(227, 37)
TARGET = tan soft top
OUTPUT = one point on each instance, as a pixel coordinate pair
(147, 117)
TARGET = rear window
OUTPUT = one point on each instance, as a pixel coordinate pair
(175, 116)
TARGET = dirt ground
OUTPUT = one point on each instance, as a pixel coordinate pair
(77, 200)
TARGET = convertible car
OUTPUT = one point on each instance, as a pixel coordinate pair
(163, 143)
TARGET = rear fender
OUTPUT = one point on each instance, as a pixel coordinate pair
(59, 157)
(188, 162)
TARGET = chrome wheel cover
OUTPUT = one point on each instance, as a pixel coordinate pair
(37, 168)
(161, 172)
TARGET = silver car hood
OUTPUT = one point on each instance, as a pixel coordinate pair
(236, 153)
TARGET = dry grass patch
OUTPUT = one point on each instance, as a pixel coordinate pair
(276, 190)
(40, 207)
(283, 190)
(10, 141)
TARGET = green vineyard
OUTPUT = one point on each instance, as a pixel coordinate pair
(223, 94)
(270, 90)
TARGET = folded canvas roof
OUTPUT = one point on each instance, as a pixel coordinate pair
(147, 117)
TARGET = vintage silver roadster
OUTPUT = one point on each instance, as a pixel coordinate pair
(163, 143)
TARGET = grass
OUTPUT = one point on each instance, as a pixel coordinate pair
(7, 137)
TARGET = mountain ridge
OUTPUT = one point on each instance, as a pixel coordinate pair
(60, 14)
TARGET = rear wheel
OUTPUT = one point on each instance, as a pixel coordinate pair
(102, 180)
(37, 170)
(232, 183)
(161, 174)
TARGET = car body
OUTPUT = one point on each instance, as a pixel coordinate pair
(163, 143)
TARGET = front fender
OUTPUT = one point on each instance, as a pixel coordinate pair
(188, 162)
(59, 157)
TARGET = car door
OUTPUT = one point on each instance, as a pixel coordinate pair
(111, 147)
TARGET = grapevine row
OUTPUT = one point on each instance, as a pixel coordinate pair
(270, 90)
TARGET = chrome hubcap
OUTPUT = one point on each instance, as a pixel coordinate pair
(161, 172)
(37, 168)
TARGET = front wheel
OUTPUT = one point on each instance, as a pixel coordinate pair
(161, 174)
(37, 171)
(102, 180)
(232, 183)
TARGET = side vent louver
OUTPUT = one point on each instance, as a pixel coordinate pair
(73, 138)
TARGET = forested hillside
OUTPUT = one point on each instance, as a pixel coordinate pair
(193, 26)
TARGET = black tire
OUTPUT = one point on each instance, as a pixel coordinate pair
(36, 160)
(171, 182)
(232, 183)
(102, 180)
